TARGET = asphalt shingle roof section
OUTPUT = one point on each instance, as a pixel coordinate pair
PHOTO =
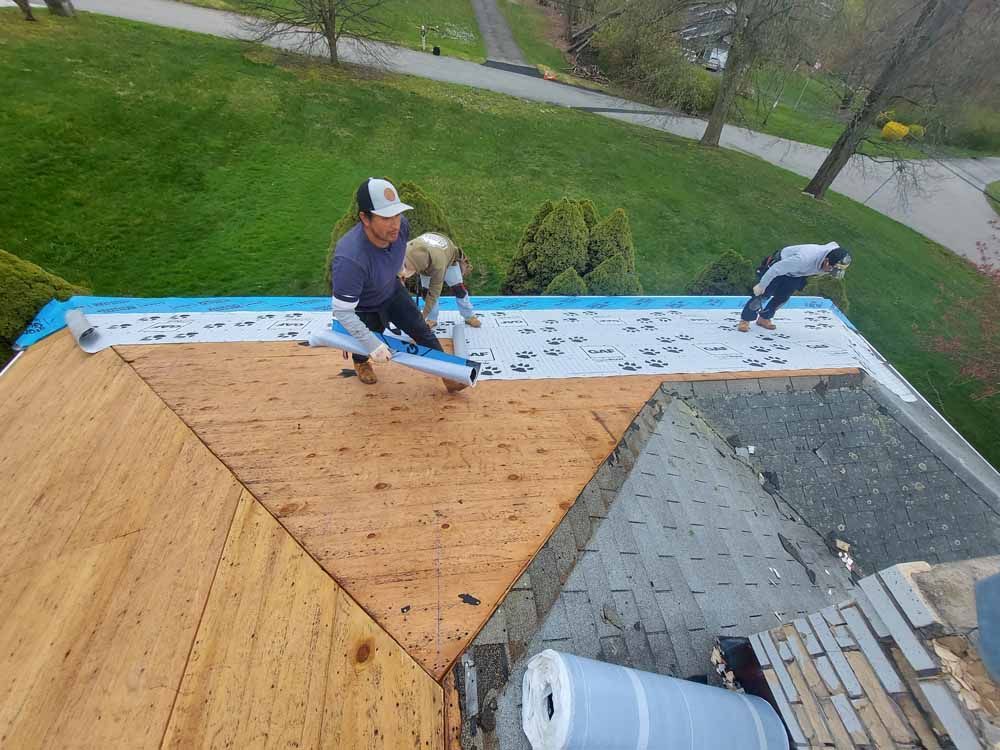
(848, 461)
(690, 547)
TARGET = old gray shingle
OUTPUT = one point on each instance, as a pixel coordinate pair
(915, 653)
(872, 651)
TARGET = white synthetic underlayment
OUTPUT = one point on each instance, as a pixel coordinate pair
(564, 343)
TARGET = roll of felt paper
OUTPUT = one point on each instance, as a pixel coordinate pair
(573, 703)
(421, 358)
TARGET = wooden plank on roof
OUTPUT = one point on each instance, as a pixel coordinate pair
(112, 525)
(283, 653)
(414, 500)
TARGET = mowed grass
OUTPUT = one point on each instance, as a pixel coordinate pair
(993, 195)
(530, 27)
(143, 161)
(453, 24)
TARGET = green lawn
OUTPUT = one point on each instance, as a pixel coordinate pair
(530, 27)
(457, 32)
(143, 161)
(993, 191)
(808, 112)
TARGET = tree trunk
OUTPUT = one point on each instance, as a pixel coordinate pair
(737, 66)
(329, 23)
(60, 7)
(25, 9)
(909, 46)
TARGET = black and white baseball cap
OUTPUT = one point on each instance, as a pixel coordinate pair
(381, 198)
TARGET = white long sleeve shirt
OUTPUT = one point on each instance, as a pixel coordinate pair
(799, 260)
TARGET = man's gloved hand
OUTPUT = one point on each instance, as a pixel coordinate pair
(381, 355)
(758, 290)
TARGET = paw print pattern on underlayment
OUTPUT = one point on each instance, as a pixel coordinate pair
(266, 316)
(119, 326)
(777, 361)
(553, 352)
(525, 355)
(555, 341)
(665, 339)
(550, 322)
(489, 370)
(673, 349)
(753, 362)
(210, 326)
(649, 352)
(521, 367)
(657, 363)
(288, 334)
(548, 329)
(630, 329)
(781, 347)
(188, 335)
(577, 339)
(685, 337)
(245, 323)
(525, 331)
(155, 337)
(629, 366)
(761, 349)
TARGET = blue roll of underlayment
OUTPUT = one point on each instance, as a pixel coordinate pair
(420, 358)
(573, 703)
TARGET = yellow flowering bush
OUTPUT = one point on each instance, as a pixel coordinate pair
(894, 131)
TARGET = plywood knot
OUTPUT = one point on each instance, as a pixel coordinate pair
(363, 653)
(382, 486)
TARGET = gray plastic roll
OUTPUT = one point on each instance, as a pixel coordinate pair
(86, 336)
(440, 365)
(573, 703)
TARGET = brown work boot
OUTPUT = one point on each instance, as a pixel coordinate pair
(765, 323)
(743, 327)
(473, 322)
(366, 373)
(454, 386)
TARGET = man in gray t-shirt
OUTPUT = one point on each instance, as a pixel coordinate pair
(367, 292)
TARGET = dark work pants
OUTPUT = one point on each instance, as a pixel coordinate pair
(779, 290)
(400, 311)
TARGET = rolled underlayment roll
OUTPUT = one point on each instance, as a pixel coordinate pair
(573, 703)
(421, 358)
(88, 338)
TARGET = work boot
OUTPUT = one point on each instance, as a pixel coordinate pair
(366, 373)
(473, 322)
(454, 386)
(765, 323)
(744, 326)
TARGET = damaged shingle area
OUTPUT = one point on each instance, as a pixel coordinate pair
(839, 453)
(673, 543)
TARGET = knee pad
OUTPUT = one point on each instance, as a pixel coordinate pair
(460, 291)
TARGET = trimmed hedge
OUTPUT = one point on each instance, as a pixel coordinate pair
(570, 235)
(566, 284)
(426, 216)
(613, 278)
(556, 239)
(613, 236)
(24, 289)
(833, 289)
(730, 273)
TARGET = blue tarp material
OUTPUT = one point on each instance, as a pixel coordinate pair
(52, 317)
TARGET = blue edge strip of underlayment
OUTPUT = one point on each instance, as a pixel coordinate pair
(52, 317)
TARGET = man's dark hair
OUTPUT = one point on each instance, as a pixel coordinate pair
(364, 199)
(836, 255)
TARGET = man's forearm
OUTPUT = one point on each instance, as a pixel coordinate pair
(354, 326)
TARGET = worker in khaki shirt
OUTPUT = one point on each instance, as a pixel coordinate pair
(438, 261)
